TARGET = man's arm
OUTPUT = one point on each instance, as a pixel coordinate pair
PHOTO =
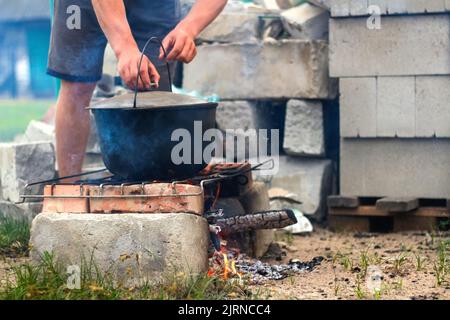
(180, 42)
(111, 16)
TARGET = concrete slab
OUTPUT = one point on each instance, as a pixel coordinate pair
(134, 248)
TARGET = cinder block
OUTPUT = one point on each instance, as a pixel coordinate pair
(133, 248)
(306, 22)
(304, 128)
(25, 163)
(340, 8)
(232, 27)
(395, 168)
(273, 69)
(358, 7)
(405, 45)
(396, 107)
(358, 107)
(432, 107)
(311, 180)
(236, 114)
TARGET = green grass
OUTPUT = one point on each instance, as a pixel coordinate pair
(48, 281)
(14, 236)
(16, 114)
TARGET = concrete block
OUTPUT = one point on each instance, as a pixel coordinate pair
(425, 6)
(340, 8)
(39, 131)
(236, 114)
(25, 163)
(272, 69)
(325, 4)
(306, 22)
(380, 4)
(304, 128)
(395, 168)
(432, 109)
(134, 248)
(23, 211)
(358, 7)
(232, 27)
(399, 6)
(310, 179)
(396, 107)
(405, 45)
(358, 107)
(404, 204)
(342, 202)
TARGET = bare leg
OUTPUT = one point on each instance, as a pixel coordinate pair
(72, 126)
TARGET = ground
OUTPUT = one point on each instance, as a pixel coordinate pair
(406, 261)
(410, 265)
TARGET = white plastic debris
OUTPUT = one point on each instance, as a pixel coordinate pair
(303, 225)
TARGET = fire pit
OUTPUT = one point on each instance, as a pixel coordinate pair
(89, 215)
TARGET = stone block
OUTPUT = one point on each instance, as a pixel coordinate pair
(342, 202)
(405, 45)
(39, 131)
(397, 204)
(235, 115)
(20, 211)
(306, 22)
(395, 168)
(232, 27)
(358, 107)
(304, 129)
(432, 110)
(134, 248)
(25, 163)
(396, 107)
(270, 69)
(310, 179)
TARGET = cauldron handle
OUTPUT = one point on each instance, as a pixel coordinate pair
(158, 41)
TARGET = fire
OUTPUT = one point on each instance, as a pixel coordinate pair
(224, 266)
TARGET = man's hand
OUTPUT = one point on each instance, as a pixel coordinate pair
(128, 62)
(179, 45)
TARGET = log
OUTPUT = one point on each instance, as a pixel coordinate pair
(261, 220)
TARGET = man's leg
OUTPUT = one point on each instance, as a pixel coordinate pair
(72, 126)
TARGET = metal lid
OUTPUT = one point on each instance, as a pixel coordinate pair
(152, 100)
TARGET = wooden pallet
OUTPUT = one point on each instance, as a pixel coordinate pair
(359, 214)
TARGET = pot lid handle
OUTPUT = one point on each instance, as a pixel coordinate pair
(158, 41)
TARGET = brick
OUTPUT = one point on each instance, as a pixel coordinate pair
(262, 70)
(417, 45)
(395, 168)
(133, 248)
(396, 107)
(358, 107)
(432, 110)
(23, 163)
(66, 205)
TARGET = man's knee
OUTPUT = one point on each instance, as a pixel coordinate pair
(77, 90)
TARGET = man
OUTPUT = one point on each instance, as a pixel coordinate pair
(76, 56)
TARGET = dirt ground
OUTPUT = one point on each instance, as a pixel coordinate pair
(402, 266)
(404, 263)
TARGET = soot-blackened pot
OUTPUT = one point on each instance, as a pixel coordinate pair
(136, 135)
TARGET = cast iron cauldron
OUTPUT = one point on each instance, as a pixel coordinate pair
(135, 134)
